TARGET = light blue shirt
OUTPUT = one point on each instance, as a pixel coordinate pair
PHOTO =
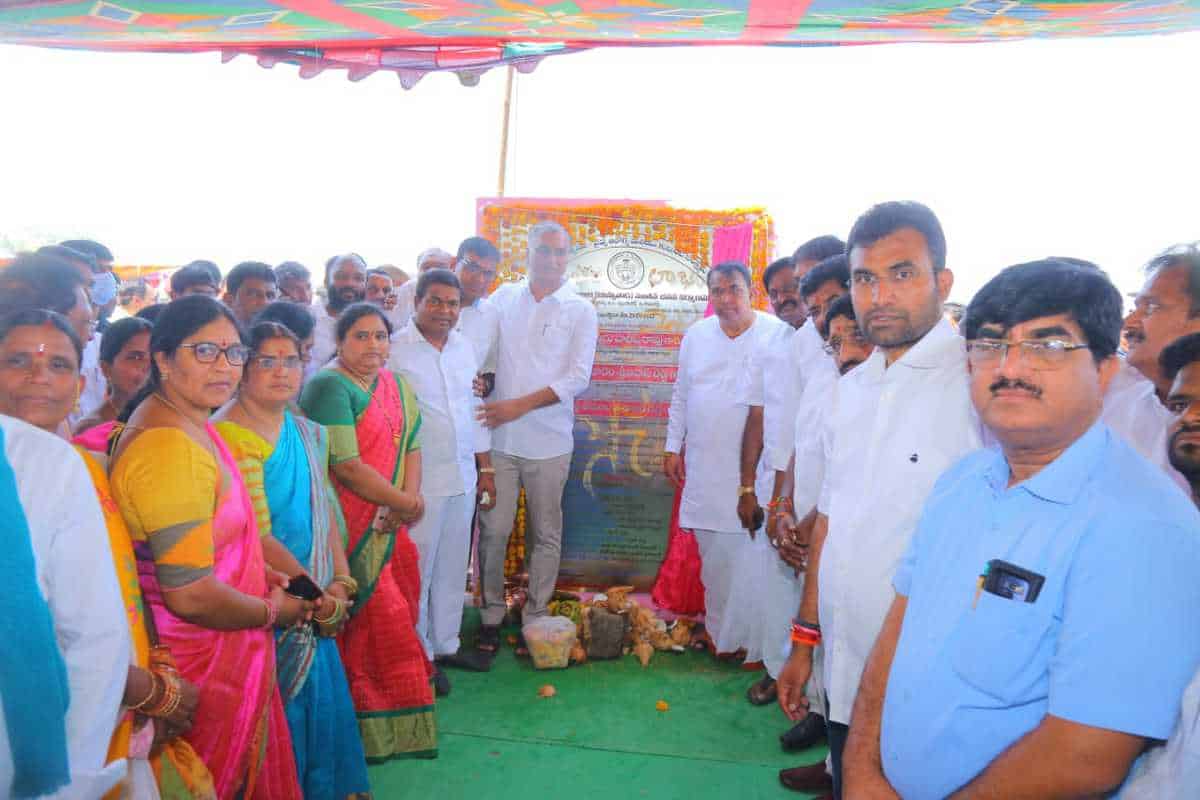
(1111, 641)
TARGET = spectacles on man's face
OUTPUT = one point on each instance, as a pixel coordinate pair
(475, 268)
(836, 343)
(269, 363)
(207, 352)
(544, 250)
(1040, 354)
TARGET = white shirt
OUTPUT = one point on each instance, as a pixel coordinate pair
(95, 384)
(1133, 411)
(816, 401)
(708, 414)
(324, 341)
(450, 435)
(889, 436)
(547, 344)
(1171, 771)
(406, 304)
(76, 575)
(480, 323)
(783, 373)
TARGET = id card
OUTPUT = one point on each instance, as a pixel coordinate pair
(1012, 582)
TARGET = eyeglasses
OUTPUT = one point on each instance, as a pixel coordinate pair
(834, 345)
(207, 352)
(545, 250)
(471, 266)
(271, 362)
(1037, 353)
(1148, 308)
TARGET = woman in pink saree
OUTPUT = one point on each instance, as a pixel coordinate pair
(200, 559)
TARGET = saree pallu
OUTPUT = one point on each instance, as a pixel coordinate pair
(239, 730)
(386, 665)
(312, 681)
(678, 586)
(175, 770)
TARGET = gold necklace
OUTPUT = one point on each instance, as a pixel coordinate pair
(393, 424)
(203, 431)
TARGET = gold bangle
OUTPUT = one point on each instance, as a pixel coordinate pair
(347, 581)
(154, 679)
(332, 618)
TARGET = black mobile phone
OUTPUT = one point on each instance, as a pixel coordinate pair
(1012, 582)
(757, 522)
(304, 587)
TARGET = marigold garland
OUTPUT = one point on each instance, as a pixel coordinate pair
(689, 231)
(514, 556)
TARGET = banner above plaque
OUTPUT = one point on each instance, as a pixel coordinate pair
(643, 265)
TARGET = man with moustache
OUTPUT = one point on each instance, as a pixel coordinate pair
(456, 464)
(547, 346)
(899, 420)
(346, 283)
(1166, 308)
(845, 348)
(770, 433)
(1037, 656)
(1172, 769)
(707, 415)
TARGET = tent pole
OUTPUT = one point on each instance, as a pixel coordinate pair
(504, 132)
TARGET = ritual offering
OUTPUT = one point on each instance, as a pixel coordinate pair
(547, 691)
(661, 705)
(550, 640)
(606, 633)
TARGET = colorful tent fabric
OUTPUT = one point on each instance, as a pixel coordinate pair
(411, 37)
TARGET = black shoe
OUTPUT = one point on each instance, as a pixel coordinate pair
(469, 659)
(441, 684)
(811, 779)
(806, 733)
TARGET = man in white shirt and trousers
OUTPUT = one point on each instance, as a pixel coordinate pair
(478, 260)
(405, 293)
(704, 433)
(900, 419)
(440, 366)
(547, 347)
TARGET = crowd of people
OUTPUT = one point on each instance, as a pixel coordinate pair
(959, 540)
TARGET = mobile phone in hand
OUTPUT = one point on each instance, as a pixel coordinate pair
(304, 588)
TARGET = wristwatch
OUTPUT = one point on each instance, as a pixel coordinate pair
(745, 490)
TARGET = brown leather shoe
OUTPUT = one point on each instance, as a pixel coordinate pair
(811, 778)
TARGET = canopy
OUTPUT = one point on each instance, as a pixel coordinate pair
(412, 37)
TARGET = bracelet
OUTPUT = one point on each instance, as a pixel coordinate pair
(487, 470)
(333, 617)
(347, 581)
(805, 634)
(780, 503)
(744, 490)
(169, 702)
(154, 681)
(272, 613)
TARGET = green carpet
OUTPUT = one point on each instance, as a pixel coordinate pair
(601, 736)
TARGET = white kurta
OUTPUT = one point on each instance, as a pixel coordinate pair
(1133, 412)
(95, 384)
(892, 432)
(708, 415)
(76, 575)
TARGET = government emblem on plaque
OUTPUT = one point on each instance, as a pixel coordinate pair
(626, 269)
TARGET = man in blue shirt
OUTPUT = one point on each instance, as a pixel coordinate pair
(1044, 626)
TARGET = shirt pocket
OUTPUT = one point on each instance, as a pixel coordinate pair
(1002, 648)
(555, 339)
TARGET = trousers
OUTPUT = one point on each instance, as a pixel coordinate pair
(543, 480)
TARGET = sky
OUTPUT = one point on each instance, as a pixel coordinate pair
(1025, 149)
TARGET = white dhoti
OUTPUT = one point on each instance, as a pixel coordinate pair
(720, 552)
